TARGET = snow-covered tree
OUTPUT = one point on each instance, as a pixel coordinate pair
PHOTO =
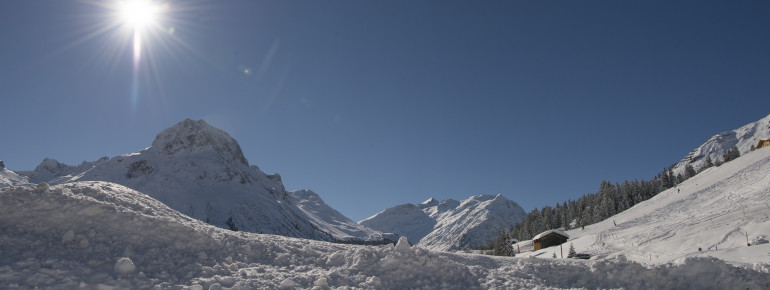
(503, 245)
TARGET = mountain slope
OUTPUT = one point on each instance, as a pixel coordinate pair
(199, 170)
(327, 218)
(718, 211)
(450, 224)
(10, 178)
(743, 137)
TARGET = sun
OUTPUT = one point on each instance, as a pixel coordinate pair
(139, 14)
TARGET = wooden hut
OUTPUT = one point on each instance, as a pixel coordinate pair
(763, 143)
(549, 239)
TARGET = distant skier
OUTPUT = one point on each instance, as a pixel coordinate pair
(699, 249)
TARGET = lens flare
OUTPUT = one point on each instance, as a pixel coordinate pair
(139, 13)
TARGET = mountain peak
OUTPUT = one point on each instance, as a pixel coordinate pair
(51, 165)
(430, 201)
(189, 135)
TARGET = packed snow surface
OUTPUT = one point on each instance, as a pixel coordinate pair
(450, 224)
(101, 235)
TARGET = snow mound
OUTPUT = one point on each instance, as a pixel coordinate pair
(124, 266)
(403, 245)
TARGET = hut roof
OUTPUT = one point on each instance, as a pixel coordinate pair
(557, 231)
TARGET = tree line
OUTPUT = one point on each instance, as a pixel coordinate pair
(609, 200)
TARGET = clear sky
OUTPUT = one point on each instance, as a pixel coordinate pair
(378, 103)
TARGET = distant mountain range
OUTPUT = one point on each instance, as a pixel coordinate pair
(201, 171)
(450, 224)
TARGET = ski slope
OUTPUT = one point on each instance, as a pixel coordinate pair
(719, 210)
(101, 235)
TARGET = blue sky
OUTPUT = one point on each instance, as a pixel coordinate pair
(378, 103)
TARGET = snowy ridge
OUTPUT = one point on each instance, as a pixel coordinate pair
(718, 211)
(450, 224)
(52, 171)
(10, 178)
(327, 218)
(201, 171)
(100, 235)
(743, 137)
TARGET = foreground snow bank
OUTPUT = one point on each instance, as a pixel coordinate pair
(99, 235)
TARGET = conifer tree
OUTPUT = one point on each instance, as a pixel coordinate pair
(731, 154)
(231, 224)
(689, 171)
(503, 245)
(572, 252)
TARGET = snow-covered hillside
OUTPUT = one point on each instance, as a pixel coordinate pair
(200, 170)
(714, 214)
(100, 235)
(450, 224)
(743, 137)
(9, 178)
(327, 218)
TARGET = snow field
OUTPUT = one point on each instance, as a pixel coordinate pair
(87, 235)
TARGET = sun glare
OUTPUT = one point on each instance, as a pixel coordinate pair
(138, 13)
(148, 28)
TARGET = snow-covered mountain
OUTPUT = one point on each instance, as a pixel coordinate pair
(338, 225)
(201, 171)
(450, 224)
(743, 137)
(10, 178)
